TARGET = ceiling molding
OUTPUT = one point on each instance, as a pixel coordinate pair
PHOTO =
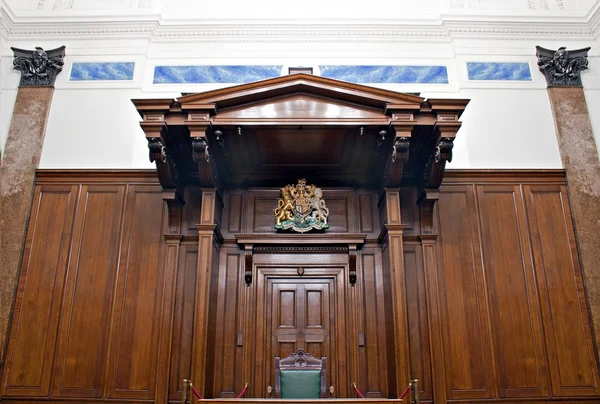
(153, 28)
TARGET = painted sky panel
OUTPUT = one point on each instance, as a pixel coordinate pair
(498, 71)
(102, 71)
(213, 74)
(387, 74)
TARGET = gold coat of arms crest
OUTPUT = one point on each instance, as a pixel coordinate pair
(301, 208)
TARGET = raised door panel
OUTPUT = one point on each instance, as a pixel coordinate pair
(418, 328)
(79, 369)
(316, 320)
(183, 319)
(135, 330)
(31, 346)
(514, 309)
(573, 369)
(465, 324)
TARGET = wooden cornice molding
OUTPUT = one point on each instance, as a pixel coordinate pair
(300, 239)
(301, 82)
(496, 176)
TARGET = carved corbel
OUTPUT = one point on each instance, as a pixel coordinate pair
(433, 172)
(201, 155)
(352, 264)
(167, 171)
(248, 251)
(398, 156)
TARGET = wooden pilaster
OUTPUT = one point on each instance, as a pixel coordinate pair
(209, 240)
(391, 235)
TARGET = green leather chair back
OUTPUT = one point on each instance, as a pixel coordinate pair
(300, 383)
(300, 376)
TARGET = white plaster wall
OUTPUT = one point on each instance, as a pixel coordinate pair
(505, 128)
(506, 125)
(94, 129)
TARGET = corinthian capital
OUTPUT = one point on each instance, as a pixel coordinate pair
(562, 67)
(38, 67)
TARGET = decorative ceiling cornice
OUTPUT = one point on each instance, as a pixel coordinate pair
(153, 28)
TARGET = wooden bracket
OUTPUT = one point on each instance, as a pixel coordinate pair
(399, 154)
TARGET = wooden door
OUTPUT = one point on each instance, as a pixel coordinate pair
(308, 311)
(300, 316)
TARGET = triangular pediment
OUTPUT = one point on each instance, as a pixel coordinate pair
(309, 85)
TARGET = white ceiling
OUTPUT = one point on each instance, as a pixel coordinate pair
(305, 20)
(307, 9)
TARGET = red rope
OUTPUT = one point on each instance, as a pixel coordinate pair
(243, 391)
(198, 396)
(358, 391)
(405, 393)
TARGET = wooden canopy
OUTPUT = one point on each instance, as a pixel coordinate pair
(271, 132)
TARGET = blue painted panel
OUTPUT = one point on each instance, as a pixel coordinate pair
(499, 71)
(102, 71)
(387, 74)
(213, 74)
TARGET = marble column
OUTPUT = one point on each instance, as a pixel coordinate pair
(17, 169)
(579, 156)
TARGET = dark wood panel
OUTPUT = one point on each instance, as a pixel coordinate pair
(515, 314)
(83, 338)
(183, 321)
(375, 366)
(136, 315)
(365, 209)
(420, 357)
(261, 211)
(339, 212)
(573, 368)
(466, 339)
(409, 210)
(230, 280)
(235, 212)
(33, 336)
(191, 211)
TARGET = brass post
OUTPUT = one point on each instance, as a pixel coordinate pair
(185, 391)
(415, 391)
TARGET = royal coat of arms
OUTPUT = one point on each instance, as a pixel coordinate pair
(301, 208)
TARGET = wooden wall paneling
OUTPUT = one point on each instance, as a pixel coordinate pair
(208, 235)
(394, 239)
(234, 212)
(513, 299)
(84, 329)
(171, 265)
(464, 315)
(420, 357)
(573, 367)
(135, 329)
(389, 321)
(37, 308)
(374, 351)
(259, 215)
(262, 202)
(367, 214)
(213, 319)
(183, 321)
(191, 211)
(227, 358)
(342, 216)
(429, 248)
(410, 211)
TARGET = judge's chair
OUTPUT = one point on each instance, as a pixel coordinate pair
(301, 376)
